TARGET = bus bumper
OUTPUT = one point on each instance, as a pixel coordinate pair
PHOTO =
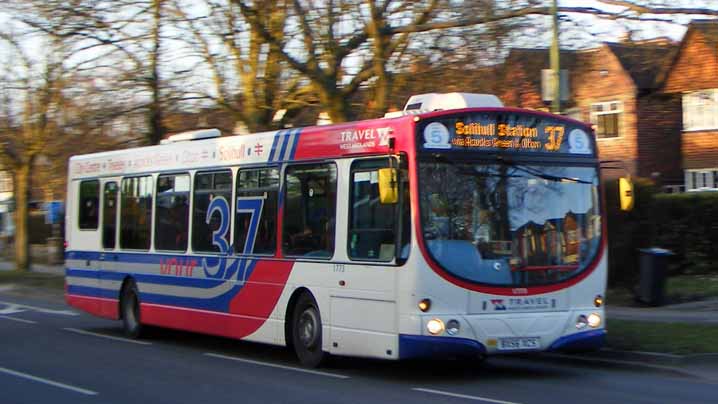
(421, 346)
(582, 341)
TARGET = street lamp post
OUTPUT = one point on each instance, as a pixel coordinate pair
(555, 62)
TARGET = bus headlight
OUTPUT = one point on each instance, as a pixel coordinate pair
(594, 320)
(435, 326)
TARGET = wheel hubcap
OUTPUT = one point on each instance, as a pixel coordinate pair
(307, 328)
(131, 312)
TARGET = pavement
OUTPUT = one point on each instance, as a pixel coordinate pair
(705, 312)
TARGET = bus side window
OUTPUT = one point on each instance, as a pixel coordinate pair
(109, 216)
(172, 215)
(310, 210)
(373, 225)
(136, 213)
(212, 192)
(257, 194)
(88, 209)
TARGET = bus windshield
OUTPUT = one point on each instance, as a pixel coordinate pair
(508, 224)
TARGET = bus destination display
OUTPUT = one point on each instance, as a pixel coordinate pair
(516, 132)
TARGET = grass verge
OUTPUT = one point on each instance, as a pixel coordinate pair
(692, 287)
(32, 279)
(678, 289)
(672, 338)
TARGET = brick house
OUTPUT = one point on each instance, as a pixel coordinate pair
(615, 87)
(694, 78)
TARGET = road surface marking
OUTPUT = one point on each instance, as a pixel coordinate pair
(20, 320)
(94, 334)
(474, 398)
(12, 309)
(273, 365)
(49, 382)
(15, 306)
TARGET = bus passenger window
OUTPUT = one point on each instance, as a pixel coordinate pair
(109, 216)
(89, 213)
(136, 213)
(172, 217)
(256, 211)
(212, 193)
(310, 210)
(372, 225)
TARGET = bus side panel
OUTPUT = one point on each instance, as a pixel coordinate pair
(247, 310)
(81, 269)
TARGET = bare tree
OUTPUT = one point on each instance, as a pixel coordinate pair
(122, 41)
(249, 77)
(33, 108)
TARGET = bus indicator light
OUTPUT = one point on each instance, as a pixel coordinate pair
(425, 305)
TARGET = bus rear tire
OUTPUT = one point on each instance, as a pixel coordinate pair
(307, 332)
(130, 310)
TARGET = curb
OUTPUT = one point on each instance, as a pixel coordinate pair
(703, 366)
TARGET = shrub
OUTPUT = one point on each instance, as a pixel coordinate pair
(686, 224)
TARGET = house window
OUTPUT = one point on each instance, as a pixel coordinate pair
(701, 179)
(606, 117)
(5, 182)
(700, 110)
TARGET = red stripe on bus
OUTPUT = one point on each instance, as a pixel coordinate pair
(101, 307)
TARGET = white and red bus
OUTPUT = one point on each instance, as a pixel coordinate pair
(457, 227)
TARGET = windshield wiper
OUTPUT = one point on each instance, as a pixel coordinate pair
(543, 175)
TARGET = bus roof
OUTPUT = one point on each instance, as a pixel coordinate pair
(315, 142)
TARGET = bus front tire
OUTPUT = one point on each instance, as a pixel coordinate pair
(307, 332)
(130, 307)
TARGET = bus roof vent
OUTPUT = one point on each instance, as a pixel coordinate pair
(192, 135)
(434, 101)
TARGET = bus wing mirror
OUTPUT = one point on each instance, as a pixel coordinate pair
(625, 191)
(388, 186)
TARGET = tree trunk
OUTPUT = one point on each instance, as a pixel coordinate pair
(22, 234)
(335, 103)
(157, 129)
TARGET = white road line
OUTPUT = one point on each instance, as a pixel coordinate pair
(273, 365)
(94, 334)
(20, 320)
(49, 382)
(15, 306)
(474, 398)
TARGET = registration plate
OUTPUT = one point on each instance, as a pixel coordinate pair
(519, 344)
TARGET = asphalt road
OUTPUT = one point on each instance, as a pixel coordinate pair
(52, 354)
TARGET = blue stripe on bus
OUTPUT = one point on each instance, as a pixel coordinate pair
(218, 304)
(141, 258)
(203, 283)
(285, 140)
(295, 143)
(82, 255)
(92, 292)
(274, 145)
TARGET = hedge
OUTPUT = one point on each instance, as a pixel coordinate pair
(686, 224)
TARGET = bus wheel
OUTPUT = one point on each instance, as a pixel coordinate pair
(130, 310)
(307, 332)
